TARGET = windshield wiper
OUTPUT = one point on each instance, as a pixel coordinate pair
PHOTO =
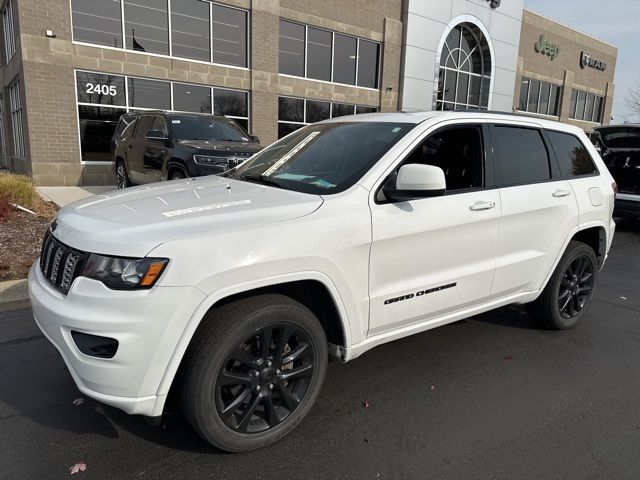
(265, 181)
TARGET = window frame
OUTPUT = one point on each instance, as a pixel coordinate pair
(574, 177)
(304, 123)
(333, 38)
(488, 169)
(599, 101)
(129, 109)
(9, 31)
(554, 169)
(17, 119)
(170, 55)
(3, 146)
(525, 82)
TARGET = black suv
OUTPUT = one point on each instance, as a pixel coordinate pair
(154, 145)
(620, 150)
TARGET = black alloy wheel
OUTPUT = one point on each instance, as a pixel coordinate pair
(122, 179)
(576, 286)
(177, 174)
(264, 379)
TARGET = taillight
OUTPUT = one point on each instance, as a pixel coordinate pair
(614, 186)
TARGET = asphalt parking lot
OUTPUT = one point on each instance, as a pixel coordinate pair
(490, 397)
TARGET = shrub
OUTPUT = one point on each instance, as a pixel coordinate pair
(18, 189)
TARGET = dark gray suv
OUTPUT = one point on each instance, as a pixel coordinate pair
(151, 146)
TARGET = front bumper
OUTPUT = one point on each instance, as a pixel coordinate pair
(147, 324)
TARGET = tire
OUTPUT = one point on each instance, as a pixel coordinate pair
(280, 398)
(177, 174)
(122, 176)
(569, 292)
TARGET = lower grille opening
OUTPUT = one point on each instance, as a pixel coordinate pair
(94, 345)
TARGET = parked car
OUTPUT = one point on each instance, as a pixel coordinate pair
(234, 290)
(151, 146)
(620, 150)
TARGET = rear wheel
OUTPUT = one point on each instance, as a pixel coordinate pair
(253, 372)
(570, 290)
(122, 177)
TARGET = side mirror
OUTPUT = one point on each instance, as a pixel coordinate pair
(415, 181)
(156, 135)
(255, 139)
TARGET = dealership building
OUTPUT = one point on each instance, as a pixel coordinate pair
(70, 68)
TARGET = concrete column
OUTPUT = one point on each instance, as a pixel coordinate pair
(567, 88)
(264, 69)
(608, 103)
(390, 61)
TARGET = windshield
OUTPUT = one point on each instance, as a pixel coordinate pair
(206, 128)
(620, 137)
(322, 158)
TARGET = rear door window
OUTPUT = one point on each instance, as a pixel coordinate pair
(573, 157)
(144, 125)
(521, 155)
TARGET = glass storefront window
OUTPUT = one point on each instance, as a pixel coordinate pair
(291, 51)
(98, 22)
(190, 29)
(368, 56)
(147, 26)
(317, 111)
(229, 36)
(344, 59)
(97, 126)
(103, 99)
(318, 54)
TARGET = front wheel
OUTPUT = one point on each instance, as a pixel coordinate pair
(570, 290)
(253, 371)
(122, 177)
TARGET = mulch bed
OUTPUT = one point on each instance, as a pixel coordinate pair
(21, 239)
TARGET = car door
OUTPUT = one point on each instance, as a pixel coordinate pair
(539, 208)
(155, 150)
(433, 256)
(135, 149)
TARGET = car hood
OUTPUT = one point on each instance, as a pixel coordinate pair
(133, 221)
(221, 148)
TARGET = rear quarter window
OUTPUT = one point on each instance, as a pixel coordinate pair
(572, 155)
(521, 154)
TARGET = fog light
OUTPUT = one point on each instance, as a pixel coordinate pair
(95, 346)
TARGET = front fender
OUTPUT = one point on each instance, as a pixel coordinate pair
(217, 296)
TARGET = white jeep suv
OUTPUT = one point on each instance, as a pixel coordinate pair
(346, 234)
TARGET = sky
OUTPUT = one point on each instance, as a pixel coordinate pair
(614, 21)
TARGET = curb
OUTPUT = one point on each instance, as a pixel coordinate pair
(13, 290)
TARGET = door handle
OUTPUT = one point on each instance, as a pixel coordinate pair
(561, 193)
(482, 206)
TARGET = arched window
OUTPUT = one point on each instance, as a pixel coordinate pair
(465, 70)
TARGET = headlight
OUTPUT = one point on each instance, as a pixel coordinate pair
(124, 273)
(210, 161)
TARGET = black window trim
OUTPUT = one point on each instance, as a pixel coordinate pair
(554, 168)
(574, 177)
(333, 34)
(247, 11)
(488, 170)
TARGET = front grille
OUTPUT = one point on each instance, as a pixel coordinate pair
(59, 263)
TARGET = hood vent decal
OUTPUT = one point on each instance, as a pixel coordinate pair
(204, 208)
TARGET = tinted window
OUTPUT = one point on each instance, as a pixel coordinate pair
(521, 154)
(317, 111)
(534, 92)
(206, 128)
(458, 152)
(191, 98)
(368, 64)
(324, 158)
(145, 93)
(229, 36)
(342, 109)
(362, 109)
(97, 22)
(285, 129)
(230, 102)
(160, 125)
(291, 48)
(190, 35)
(290, 109)
(344, 59)
(147, 25)
(573, 157)
(318, 54)
(97, 126)
(143, 126)
(100, 88)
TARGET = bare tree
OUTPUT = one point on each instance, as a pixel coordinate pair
(633, 99)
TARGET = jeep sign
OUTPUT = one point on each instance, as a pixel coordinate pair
(547, 48)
